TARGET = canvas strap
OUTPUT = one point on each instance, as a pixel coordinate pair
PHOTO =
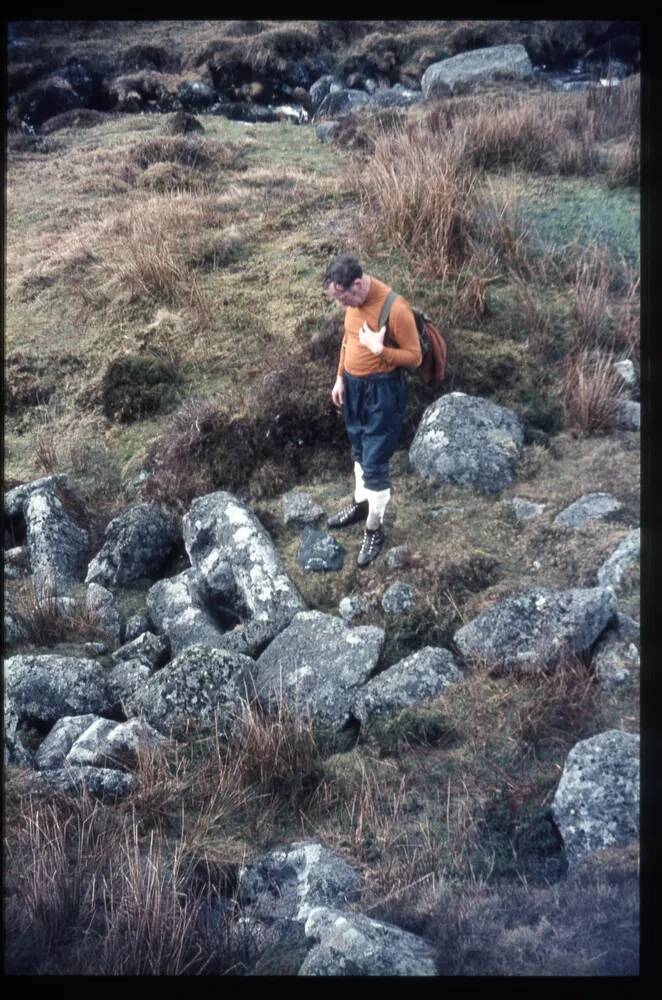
(385, 310)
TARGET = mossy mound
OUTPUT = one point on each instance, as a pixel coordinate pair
(134, 387)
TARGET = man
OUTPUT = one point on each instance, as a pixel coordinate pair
(371, 389)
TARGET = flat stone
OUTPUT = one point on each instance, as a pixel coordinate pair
(319, 552)
(417, 679)
(524, 510)
(592, 507)
(299, 509)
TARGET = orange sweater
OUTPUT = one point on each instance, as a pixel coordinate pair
(357, 359)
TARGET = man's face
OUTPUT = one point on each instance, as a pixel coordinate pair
(351, 296)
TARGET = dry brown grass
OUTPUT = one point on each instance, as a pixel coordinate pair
(43, 620)
(417, 195)
(590, 392)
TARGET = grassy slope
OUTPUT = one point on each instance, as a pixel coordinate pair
(269, 221)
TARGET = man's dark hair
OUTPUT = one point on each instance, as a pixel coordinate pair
(343, 270)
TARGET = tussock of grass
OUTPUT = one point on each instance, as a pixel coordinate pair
(591, 391)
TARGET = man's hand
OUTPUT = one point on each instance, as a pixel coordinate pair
(338, 392)
(372, 339)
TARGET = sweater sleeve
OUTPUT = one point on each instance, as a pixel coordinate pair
(402, 329)
(341, 359)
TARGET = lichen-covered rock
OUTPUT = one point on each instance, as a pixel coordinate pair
(592, 507)
(238, 567)
(622, 562)
(17, 562)
(135, 626)
(286, 883)
(351, 944)
(137, 545)
(613, 660)
(48, 687)
(16, 630)
(100, 782)
(16, 500)
(117, 745)
(628, 415)
(536, 627)
(57, 546)
(413, 681)
(353, 606)
(460, 73)
(53, 749)
(173, 609)
(124, 682)
(152, 649)
(103, 611)
(524, 510)
(397, 557)
(319, 552)
(467, 441)
(299, 509)
(398, 599)
(316, 664)
(15, 752)
(201, 684)
(596, 804)
(322, 87)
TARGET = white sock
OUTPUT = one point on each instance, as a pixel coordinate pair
(377, 500)
(360, 493)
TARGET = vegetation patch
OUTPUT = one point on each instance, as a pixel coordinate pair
(134, 386)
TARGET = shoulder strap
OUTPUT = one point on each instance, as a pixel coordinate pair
(386, 308)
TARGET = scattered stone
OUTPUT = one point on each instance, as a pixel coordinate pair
(413, 681)
(322, 87)
(628, 416)
(351, 944)
(56, 544)
(467, 441)
(625, 558)
(395, 97)
(596, 804)
(353, 607)
(460, 73)
(524, 510)
(319, 552)
(397, 557)
(48, 687)
(100, 782)
(288, 882)
(340, 102)
(398, 599)
(152, 650)
(201, 684)
(592, 507)
(138, 544)
(236, 564)
(103, 611)
(55, 746)
(299, 509)
(537, 627)
(316, 664)
(613, 659)
(135, 626)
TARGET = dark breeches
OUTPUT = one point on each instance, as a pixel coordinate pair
(374, 409)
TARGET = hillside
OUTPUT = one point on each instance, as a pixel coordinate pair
(166, 337)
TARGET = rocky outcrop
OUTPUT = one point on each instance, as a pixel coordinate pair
(592, 507)
(460, 73)
(57, 546)
(202, 684)
(413, 681)
(236, 566)
(48, 687)
(596, 804)
(467, 441)
(316, 664)
(622, 563)
(351, 944)
(16, 500)
(137, 545)
(103, 611)
(537, 627)
(287, 883)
